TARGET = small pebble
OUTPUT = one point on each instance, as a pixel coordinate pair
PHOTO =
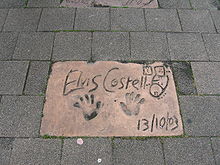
(79, 141)
(99, 160)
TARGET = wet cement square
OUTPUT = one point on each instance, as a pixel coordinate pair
(111, 3)
(111, 99)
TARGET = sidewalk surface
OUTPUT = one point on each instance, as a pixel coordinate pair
(36, 33)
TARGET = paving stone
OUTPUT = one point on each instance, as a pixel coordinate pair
(3, 15)
(212, 44)
(162, 20)
(174, 3)
(92, 19)
(12, 77)
(216, 19)
(201, 115)
(34, 46)
(184, 78)
(187, 47)
(149, 46)
(37, 78)
(90, 152)
(196, 21)
(56, 19)
(72, 46)
(43, 3)
(12, 3)
(36, 151)
(22, 20)
(110, 46)
(127, 19)
(7, 45)
(185, 151)
(216, 148)
(5, 150)
(207, 77)
(137, 152)
(203, 4)
(20, 116)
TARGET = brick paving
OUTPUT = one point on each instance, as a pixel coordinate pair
(36, 33)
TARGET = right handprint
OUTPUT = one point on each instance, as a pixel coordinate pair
(133, 103)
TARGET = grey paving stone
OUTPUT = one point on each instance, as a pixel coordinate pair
(186, 151)
(7, 45)
(43, 3)
(22, 20)
(138, 152)
(12, 3)
(3, 15)
(37, 78)
(174, 3)
(36, 151)
(212, 44)
(125, 19)
(110, 46)
(20, 116)
(92, 19)
(216, 19)
(207, 77)
(72, 46)
(216, 148)
(5, 150)
(203, 4)
(92, 150)
(162, 20)
(187, 47)
(184, 78)
(201, 115)
(56, 19)
(149, 46)
(34, 46)
(196, 21)
(12, 77)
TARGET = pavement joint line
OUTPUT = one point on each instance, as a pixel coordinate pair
(12, 146)
(216, 30)
(168, 47)
(145, 21)
(178, 15)
(91, 55)
(61, 150)
(5, 20)
(54, 37)
(138, 138)
(12, 56)
(163, 151)
(74, 19)
(39, 19)
(213, 153)
(110, 19)
(207, 54)
(122, 61)
(26, 76)
(129, 38)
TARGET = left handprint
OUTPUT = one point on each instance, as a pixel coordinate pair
(90, 108)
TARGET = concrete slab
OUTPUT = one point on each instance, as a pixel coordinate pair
(111, 99)
(107, 3)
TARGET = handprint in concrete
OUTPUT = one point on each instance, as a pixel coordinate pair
(90, 108)
(132, 104)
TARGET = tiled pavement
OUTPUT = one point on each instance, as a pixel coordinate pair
(36, 33)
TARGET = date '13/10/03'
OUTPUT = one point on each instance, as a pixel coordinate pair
(169, 123)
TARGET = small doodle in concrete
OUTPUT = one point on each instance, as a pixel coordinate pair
(133, 104)
(159, 82)
(89, 107)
